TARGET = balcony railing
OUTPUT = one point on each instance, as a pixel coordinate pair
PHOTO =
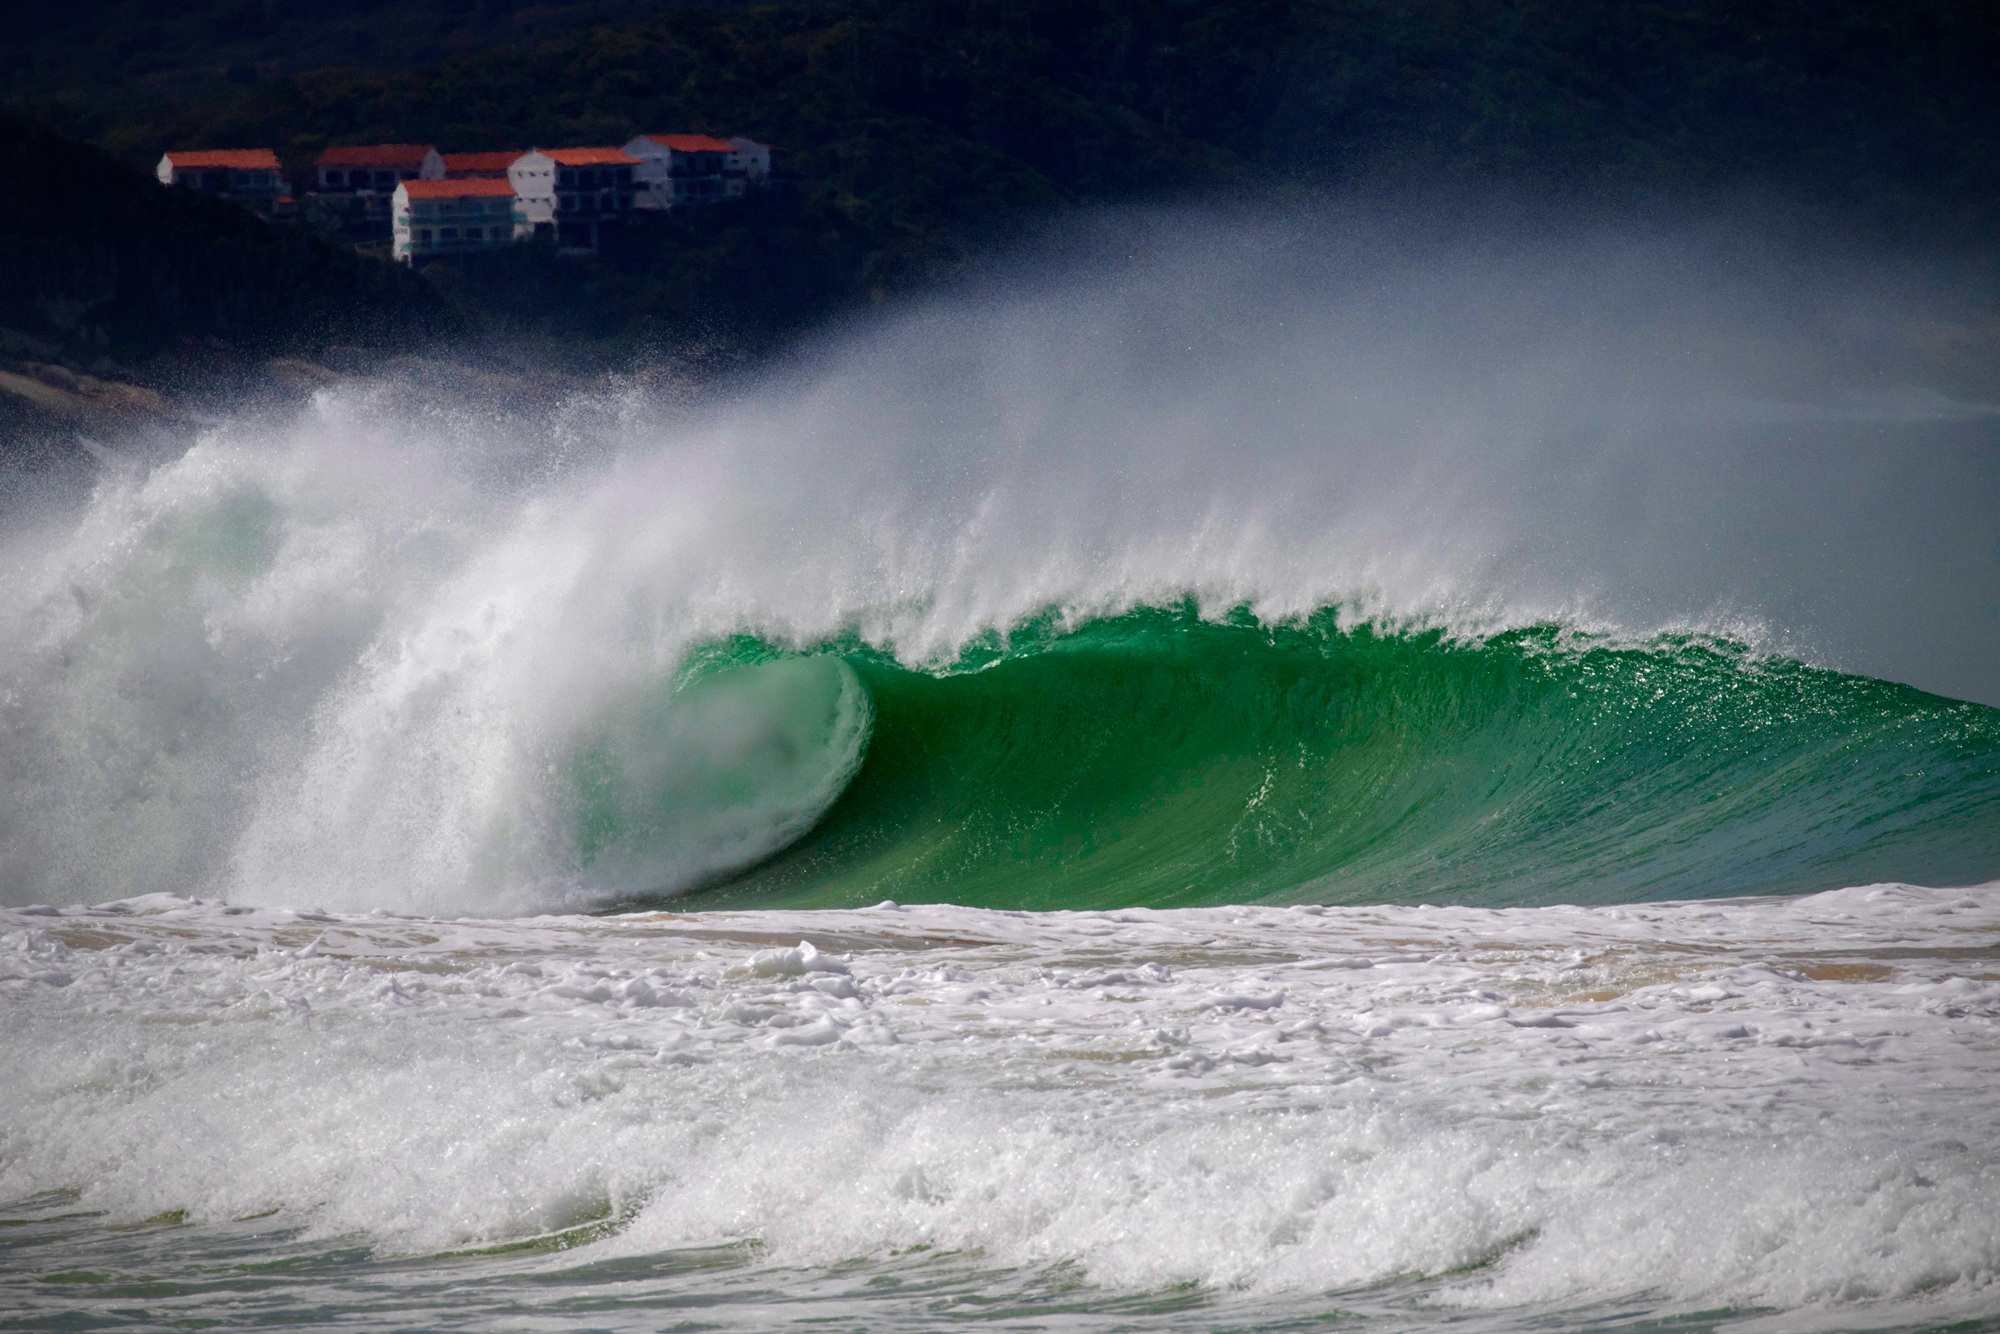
(416, 241)
(452, 217)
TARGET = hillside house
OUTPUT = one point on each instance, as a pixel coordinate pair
(353, 187)
(577, 192)
(679, 169)
(250, 176)
(430, 218)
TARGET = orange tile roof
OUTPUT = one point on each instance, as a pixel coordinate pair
(376, 155)
(692, 143)
(455, 189)
(243, 159)
(479, 161)
(589, 157)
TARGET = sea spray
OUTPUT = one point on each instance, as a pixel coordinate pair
(354, 657)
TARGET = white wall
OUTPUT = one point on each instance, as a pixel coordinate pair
(533, 176)
(652, 189)
(751, 158)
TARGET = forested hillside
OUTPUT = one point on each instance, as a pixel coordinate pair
(125, 52)
(108, 264)
(916, 130)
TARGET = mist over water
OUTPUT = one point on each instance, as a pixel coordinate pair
(356, 657)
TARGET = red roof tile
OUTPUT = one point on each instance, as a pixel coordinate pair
(480, 161)
(376, 155)
(455, 189)
(589, 157)
(692, 143)
(243, 159)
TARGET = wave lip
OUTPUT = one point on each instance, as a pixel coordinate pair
(671, 788)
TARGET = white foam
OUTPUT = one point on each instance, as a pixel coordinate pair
(1754, 1104)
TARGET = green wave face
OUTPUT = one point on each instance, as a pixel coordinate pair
(1157, 759)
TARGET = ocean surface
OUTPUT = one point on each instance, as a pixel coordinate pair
(1770, 1113)
(1420, 794)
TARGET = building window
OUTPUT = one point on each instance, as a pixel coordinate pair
(447, 233)
(475, 233)
(424, 235)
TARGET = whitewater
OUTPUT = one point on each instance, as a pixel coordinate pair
(1259, 776)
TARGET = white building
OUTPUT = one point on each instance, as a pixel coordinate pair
(377, 169)
(752, 160)
(251, 176)
(353, 186)
(576, 192)
(431, 218)
(679, 169)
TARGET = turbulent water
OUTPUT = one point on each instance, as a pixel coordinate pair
(1761, 1113)
(1407, 817)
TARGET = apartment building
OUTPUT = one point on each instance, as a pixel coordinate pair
(431, 218)
(578, 192)
(250, 176)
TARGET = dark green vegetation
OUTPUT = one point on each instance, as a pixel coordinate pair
(102, 263)
(1154, 759)
(919, 130)
(129, 50)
